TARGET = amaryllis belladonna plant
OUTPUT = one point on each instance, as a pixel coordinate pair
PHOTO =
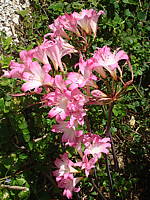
(69, 90)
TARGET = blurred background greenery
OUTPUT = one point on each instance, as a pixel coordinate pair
(28, 148)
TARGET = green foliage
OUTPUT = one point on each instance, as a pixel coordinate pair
(28, 148)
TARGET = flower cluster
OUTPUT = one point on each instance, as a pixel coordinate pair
(94, 146)
(68, 93)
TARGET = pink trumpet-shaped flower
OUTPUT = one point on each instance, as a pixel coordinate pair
(71, 136)
(16, 70)
(69, 23)
(58, 30)
(26, 56)
(36, 76)
(65, 22)
(95, 145)
(106, 59)
(86, 78)
(65, 167)
(87, 20)
(40, 53)
(32, 73)
(56, 49)
(88, 164)
(69, 184)
(66, 103)
(60, 101)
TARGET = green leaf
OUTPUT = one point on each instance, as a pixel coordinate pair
(23, 13)
(94, 193)
(1, 104)
(128, 13)
(30, 144)
(141, 15)
(132, 2)
(23, 156)
(20, 181)
(5, 82)
(7, 42)
(8, 163)
(56, 6)
(77, 5)
(116, 20)
(26, 137)
(23, 124)
(6, 195)
(24, 195)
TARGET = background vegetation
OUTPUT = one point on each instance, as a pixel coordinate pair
(27, 146)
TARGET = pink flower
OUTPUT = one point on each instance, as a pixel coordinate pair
(36, 76)
(67, 22)
(26, 56)
(56, 49)
(76, 107)
(16, 70)
(75, 80)
(58, 30)
(95, 145)
(86, 78)
(40, 53)
(32, 73)
(106, 59)
(99, 98)
(65, 167)
(60, 101)
(87, 20)
(64, 175)
(60, 83)
(88, 164)
(66, 103)
(71, 136)
(69, 184)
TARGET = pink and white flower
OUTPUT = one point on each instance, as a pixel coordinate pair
(16, 70)
(56, 49)
(36, 76)
(95, 145)
(32, 73)
(65, 167)
(64, 22)
(86, 78)
(87, 164)
(60, 101)
(71, 136)
(66, 103)
(87, 20)
(104, 58)
(69, 184)
(58, 30)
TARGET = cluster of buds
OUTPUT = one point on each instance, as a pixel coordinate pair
(68, 93)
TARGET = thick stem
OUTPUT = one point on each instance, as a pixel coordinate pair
(107, 131)
(108, 134)
(108, 173)
(113, 152)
